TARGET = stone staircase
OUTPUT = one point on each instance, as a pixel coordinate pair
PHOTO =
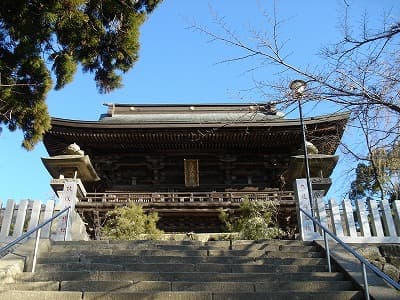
(117, 270)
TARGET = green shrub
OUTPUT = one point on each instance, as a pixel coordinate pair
(131, 223)
(256, 220)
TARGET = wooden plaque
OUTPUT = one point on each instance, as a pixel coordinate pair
(191, 167)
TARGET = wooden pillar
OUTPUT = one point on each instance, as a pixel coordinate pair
(155, 164)
(227, 165)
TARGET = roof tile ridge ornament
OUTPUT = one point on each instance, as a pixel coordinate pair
(111, 108)
(270, 109)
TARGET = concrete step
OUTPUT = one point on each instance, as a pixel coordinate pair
(187, 295)
(177, 276)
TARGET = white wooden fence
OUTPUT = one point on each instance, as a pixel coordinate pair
(359, 222)
(16, 219)
(371, 222)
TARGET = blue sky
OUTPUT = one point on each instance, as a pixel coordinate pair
(178, 65)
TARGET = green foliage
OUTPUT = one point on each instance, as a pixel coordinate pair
(379, 177)
(130, 223)
(256, 220)
(40, 37)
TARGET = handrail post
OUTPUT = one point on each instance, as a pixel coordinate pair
(366, 289)
(328, 255)
(35, 251)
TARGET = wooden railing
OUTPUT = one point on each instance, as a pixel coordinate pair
(231, 197)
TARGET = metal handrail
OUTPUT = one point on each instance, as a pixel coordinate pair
(364, 263)
(4, 250)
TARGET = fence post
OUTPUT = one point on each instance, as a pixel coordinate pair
(396, 213)
(321, 211)
(336, 218)
(388, 223)
(48, 213)
(376, 219)
(349, 218)
(362, 219)
(20, 220)
(7, 218)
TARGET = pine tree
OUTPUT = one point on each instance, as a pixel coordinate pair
(41, 37)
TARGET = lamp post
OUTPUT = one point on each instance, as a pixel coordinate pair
(298, 87)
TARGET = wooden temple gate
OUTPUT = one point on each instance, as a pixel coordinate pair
(187, 162)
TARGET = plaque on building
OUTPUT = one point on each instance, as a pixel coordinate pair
(191, 167)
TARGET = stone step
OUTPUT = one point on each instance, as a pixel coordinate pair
(281, 248)
(215, 252)
(148, 286)
(262, 253)
(181, 270)
(271, 242)
(115, 259)
(176, 276)
(246, 268)
(280, 295)
(271, 245)
(127, 252)
(126, 244)
(179, 267)
(224, 246)
(188, 243)
(271, 295)
(261, 286)
(32, 286)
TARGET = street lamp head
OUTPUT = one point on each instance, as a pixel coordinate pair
(298, 87)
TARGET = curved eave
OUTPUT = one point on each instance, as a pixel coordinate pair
(263, 137)
(278, 122)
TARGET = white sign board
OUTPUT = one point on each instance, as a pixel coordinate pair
(67, 198)
(303, 201)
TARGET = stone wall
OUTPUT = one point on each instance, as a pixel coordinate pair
(385, 257)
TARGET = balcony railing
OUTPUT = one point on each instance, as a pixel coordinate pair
(212, 197)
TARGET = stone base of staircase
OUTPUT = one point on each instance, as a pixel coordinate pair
(181, 270)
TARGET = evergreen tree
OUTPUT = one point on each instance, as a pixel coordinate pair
(256, 220)
(38, 37)
(379, 177)
(131, 223)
